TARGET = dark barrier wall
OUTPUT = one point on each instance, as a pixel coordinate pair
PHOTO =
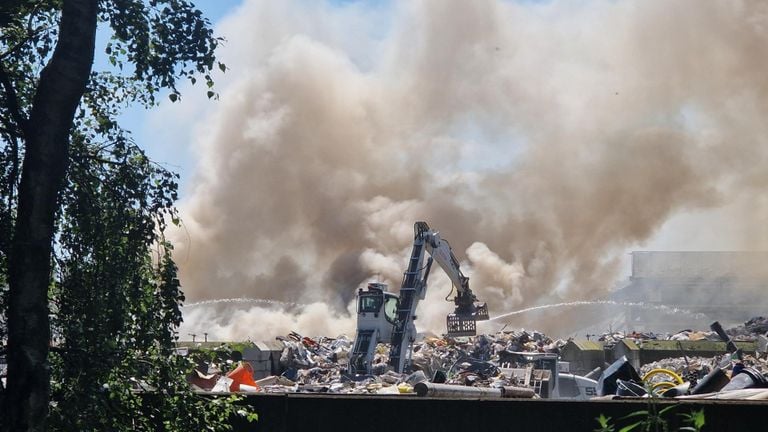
(297, 412)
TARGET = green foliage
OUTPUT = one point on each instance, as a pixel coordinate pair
(224, 356)
(114, 297)
(695, 419)
(605, 424)
(651, 419)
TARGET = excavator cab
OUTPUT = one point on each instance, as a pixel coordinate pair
(376, 300)
(386, 317)
(376, 315)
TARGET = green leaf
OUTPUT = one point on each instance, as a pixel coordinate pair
(605, 424)
(640, 413)
(114, 293)
(667, 409)
(696, 418)
(223, 67)
(630, 427)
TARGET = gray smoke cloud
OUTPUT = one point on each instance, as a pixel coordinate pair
(541, 139)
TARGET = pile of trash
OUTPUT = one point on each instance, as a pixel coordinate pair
(486, 365)
(319, 365)
(750, 330)
(731, 376)
(700, 366)
(734, 375)
(682, 335)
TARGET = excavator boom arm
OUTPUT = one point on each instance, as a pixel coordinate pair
(371, 327)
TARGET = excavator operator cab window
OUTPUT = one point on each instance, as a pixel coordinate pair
(390, 308)
(369, 303)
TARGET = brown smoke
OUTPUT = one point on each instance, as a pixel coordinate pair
(542, 140)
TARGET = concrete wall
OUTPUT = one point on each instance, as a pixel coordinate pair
(583, 356)
(264, 358)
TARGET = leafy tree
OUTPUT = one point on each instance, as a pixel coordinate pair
(82, 214)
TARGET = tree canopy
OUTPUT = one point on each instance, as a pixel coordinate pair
(90, 299)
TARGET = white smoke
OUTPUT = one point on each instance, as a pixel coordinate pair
(541, 139)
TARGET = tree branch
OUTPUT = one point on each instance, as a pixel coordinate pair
(30, 32)
(12, 100)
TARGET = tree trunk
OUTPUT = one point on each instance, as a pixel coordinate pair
(62, 83)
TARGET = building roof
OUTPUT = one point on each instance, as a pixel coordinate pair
(689, 345)
(272, 345)
(628, 343)
(586, 345)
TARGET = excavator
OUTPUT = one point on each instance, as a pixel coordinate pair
(384, 317)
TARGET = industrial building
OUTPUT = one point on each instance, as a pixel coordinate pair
(681, 289)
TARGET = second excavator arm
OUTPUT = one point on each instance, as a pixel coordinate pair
(460, 323)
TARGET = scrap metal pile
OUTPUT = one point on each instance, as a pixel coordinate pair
(319, 365)
(723, 377)
(480, 363)
(735, 374)
(471, 361)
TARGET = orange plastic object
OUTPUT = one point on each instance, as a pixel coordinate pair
(242, 374)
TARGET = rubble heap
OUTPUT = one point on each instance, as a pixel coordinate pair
(319, 365)
(750, 329)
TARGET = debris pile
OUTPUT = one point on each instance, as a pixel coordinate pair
(732, 375)
(319, 365)
(750, 330)
(463, 366)
(683, 366)
(682, 335)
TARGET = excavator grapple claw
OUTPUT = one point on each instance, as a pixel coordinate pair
(465, 324)
(458, 325)
(481, 312)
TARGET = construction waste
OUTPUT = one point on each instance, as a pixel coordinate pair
(479, 367)
(319, 365)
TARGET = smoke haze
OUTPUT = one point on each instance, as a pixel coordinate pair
(541, 139)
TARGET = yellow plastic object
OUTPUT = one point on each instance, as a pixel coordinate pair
(660, 386)
(653, 372)
(405, 388)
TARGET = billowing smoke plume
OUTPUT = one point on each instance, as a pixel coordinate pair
(541, 138)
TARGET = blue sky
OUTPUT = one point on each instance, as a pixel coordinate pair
(216, 9)
(553, 84)
(175, 152)
(135, 118)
